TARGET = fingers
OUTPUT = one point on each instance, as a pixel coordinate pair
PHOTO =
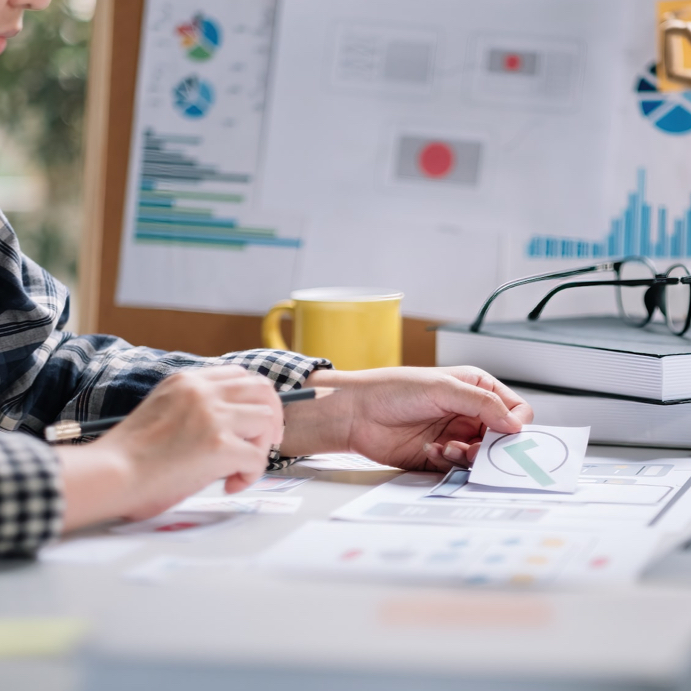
(234, 386)
(454, 454)
(250, 421)
(473, 392)
(517, 405)
(461, 398)
(247, 465)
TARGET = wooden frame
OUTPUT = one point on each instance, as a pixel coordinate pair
(112, 81)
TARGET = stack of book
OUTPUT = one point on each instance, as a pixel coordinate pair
(630, 385)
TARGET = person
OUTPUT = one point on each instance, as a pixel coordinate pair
(193, 420)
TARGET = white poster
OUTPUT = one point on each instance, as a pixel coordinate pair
(433, 147)
(194, 236)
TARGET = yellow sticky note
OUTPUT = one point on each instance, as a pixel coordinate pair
(674, 45)
(40, 637)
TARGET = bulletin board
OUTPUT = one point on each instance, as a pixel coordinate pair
(459, 153)
(110, 108)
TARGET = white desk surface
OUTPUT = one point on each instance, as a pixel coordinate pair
(252, 630)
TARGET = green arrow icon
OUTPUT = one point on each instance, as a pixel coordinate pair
(518, 450)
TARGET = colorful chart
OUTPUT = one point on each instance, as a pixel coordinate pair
(176, 206)
(637, 230)
(193, 97)
(669, 111)
(201, 38)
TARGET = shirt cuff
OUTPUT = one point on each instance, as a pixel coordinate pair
(31, 497)
(288, 371)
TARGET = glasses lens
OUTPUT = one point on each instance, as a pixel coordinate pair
(631, 298)
(677, 300)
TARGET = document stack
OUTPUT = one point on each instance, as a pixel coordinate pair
(630, 385)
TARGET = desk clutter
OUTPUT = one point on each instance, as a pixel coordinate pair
(422, 528)
(630, 385)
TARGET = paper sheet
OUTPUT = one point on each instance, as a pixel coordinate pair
(620, 495)
(277, 483)
(466, 556)
(194, 234)
(235, 504)
(90, 550)
(537, 458)
(159, 569)
(342, 461)
(179, 527)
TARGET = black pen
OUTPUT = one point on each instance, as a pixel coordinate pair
(71, 430)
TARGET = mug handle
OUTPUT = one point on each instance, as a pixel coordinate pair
(271, 325)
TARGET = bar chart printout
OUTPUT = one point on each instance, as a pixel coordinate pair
(639, 229)
(182, 200)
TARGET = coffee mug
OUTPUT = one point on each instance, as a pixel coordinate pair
(355, 328)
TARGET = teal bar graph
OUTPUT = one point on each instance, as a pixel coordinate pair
(187, 202)
(641, 228)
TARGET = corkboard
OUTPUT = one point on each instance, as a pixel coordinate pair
(113, 71)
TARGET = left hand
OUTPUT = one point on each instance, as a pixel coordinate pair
(408, 417)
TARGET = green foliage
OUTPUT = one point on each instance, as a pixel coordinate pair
(42, 96)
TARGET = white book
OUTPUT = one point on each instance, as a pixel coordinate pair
(599, 354)
(614, 420)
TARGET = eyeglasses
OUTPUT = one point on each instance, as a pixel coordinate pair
(640, 290)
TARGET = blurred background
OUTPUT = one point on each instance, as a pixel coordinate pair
(42, 98)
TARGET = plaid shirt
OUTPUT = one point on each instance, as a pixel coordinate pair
(47, 374)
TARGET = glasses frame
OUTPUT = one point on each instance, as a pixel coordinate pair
(653, 299)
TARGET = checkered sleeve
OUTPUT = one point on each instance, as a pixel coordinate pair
(31, 501)
(47, 375)
(92, 377)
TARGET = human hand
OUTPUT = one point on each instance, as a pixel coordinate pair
(197, 426)
(411, 418)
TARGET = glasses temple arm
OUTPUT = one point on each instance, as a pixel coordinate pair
(537, 310)
(475, 326)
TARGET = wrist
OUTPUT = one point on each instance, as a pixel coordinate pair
(320, 426)
(98, 484)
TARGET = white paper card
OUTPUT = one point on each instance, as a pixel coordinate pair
(90, 550)
(273, 505)
(536, 458)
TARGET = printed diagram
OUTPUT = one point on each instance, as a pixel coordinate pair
(200, 38)
(450, 160)
(386, 58)
(669, 111)
(537, 457)
(525, 71)
(193, 97)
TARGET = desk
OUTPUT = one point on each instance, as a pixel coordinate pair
(248, 630)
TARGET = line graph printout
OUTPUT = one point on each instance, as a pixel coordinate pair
(194, 235)
(622, 495)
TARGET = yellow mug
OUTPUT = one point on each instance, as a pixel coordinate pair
(355, 328)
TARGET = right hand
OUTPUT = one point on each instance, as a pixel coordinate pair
(197, 426)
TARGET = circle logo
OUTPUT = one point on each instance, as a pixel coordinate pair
(193, 97)
(669, 111)
(546, 452)
(200, 38)
(436, 160)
